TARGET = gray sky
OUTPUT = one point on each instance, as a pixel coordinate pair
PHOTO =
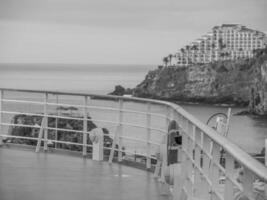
(113, 31)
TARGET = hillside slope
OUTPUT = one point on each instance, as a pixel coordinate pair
(240, 82)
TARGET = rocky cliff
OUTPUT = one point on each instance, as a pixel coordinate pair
(258, 103)
(225, 82)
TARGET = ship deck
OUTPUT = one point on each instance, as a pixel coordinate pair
(25, 175)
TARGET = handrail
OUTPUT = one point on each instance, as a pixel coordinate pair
(232, 149)
(161, 131)
(81, 106)
(240, 155)
(141, 100)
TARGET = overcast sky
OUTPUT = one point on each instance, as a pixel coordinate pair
(113, 31)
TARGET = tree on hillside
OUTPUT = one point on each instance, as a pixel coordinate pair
(170, 58)
(194, 47)
(187, 47)
(165, 61)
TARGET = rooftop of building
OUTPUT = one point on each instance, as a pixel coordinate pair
(231, 25)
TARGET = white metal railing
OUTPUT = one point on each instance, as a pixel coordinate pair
(212, 167)
(10, 102)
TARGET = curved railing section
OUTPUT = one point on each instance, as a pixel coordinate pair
(135, 130)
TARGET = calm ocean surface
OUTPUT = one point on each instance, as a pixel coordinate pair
(246, 131)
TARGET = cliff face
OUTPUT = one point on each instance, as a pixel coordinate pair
(240, 82)
(258, 103)
(221, 82)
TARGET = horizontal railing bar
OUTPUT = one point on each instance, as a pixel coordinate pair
(20, 125)
(34, 126)
(114, 97)
(144, 113)
(82, 106)
(95, 120)
(76, 131)
(33, 138)
(55, 116)
(139, 140)
(139, 126)
(18, 137)
(72, 143)
(139, 154)
(108, 108)
(67, 130)
(22, 101)
(132, 152)
(21, 113)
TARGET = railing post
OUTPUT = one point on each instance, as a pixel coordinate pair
(98, 144)
(148, 136)
(1, 114)
(266, 151)
(164, 148)
(85, 126)
(184, 159)
(120, 130)
(163, 151)
(228, 121)
(45, 122)
(266, 164)
(56, 134)
(195, 177)
(229, 172)
(40, 136)
(115, 139)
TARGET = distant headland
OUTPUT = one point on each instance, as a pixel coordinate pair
(227, 66)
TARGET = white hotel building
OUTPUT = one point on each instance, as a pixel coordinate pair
(226, 42)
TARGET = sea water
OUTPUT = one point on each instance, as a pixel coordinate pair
(246, 131)
(99, 79)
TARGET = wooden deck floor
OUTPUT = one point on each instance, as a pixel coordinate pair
(25, 175)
